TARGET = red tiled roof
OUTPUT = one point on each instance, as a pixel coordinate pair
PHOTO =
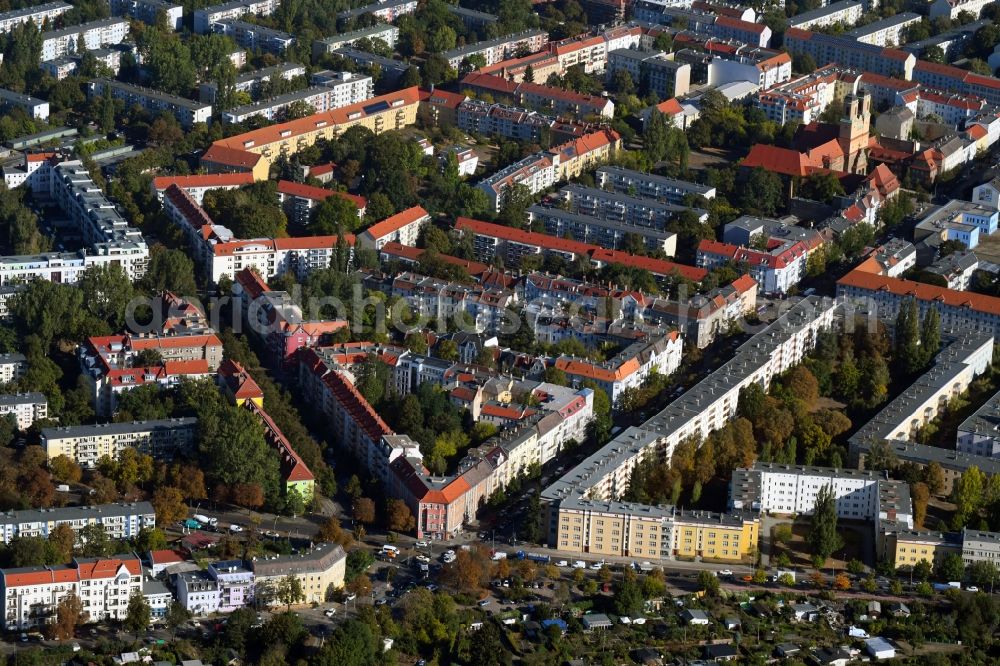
(739, 24)
(922, 292)
(671, 107)
(394, 249)
(237, 158)
(239, 381)
(303, 191)
(166, 556)
(396, 222)
(203, 180)
(785, 161)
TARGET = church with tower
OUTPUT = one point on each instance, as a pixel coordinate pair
(840, 149)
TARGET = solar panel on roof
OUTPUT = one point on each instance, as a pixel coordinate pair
(376, 107)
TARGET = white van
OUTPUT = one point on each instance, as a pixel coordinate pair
(390, 551)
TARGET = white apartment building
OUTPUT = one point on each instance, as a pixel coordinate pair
(48, 11)
(95, 35)
(26, 408)
(254, 37)
(403, 228)
(500, 48)
(952, 8)
(845, 12)
(31, 595)
(887, 32)
(120, 520)
(954, 369)
(705, 407)
(187, 112)
(206, 16)
(252, 81)
(385, 32)
(148, 10)
(792, 489)
(86, 444)
(37, 109)
(12, 367)
(343, 89)
(759, 67)
(979, 434)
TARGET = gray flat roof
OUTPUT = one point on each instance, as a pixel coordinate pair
(83, 27)
(893, 21)
(685, 185)
(821, 12)
(64, 513)
(22, 398)
(117, 428)
(36, 9)
(469, 49)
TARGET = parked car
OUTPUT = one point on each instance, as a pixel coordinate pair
(330, 612)
(423, 558)
(597, 566)
(484, 603)
(562, 563)
(726, 572)
(234, 528)
(422, 544)
(579, 564)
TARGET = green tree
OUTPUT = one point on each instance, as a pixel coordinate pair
(334, 215)
(289, 591)
(627, 595)
(169, 270)
(137, 615)
(906, 336)
(968, 496)
(708, 582)
(930, 335)
(950, 568)
(823, 538)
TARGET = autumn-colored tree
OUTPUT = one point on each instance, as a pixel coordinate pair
(168, 502)
(104, 489)
(190, 480)
(468, 572)
(360, 585)
(62, 539)
(527, 570)
(247, 495)
(920, 494)
(65, 469)
(331, 532)
(817, 579)
(842, 582)
(36, 488)
(552, 572)
(398, 516)
(364, 510)
(502, 569)
(934, 477)
(69, 615)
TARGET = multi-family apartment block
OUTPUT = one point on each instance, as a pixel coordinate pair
(388, 34)
(848, 52)
(206, 16)
(187, 112)
(320, 570)
(221, 587)
(622, 529)
(952, 8)
(844, 12)
(37, 109)
(31, 595)
(251, 82)
(494, 240)
(954, 369)
(255, 151)
(706, 22)
(540, 96)
(94, 35)
(348, 88)
(705, 407)
(87, 444)
(276, 319)
(148, 11)
(500, 48)
(654, 71)
(705, 316)
(64, 66)
(48, 11)
(628, 369)
(388, 11)
(893, 258)
(107, 363)
(955, 269)
(889, 32)
(628, 181)
(957, 220)
(25, 408)
(254, 37)
(487, 309)
(473, 115)
(403, 228)
(299, 200)
(793, 489)
(196, 185)
(219, 253)
(544, 169)
(12, 367)
(777, 270)
(979, 435)
(119, 521)
(607, 233)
